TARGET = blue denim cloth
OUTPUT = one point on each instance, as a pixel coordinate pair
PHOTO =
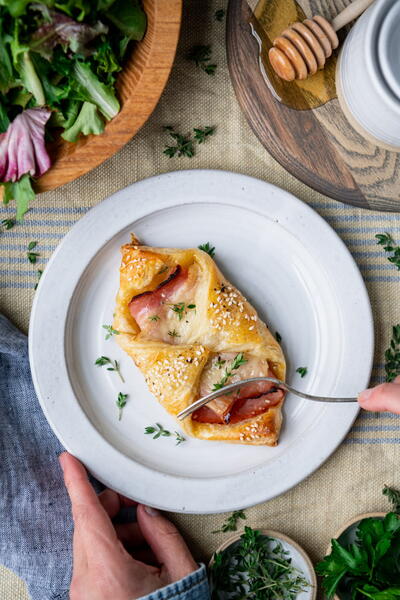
(35, 516)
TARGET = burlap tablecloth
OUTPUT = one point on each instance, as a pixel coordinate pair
(350, 482)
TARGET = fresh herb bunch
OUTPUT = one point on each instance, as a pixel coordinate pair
(389, 245)
(256, 567)
(207, 248)
(369, 567)
(231, 522)
(237, 362)
(392, 355)
(58, 65)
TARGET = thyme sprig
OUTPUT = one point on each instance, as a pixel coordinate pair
(201, 55)
(207, 248)
(185, 143)
(181, 309)
(237, 362)
(256, 567)
(121, 403)
(392, 355)
(231, 522)
(389, 245)
(110, 331)
(159, 431)
(114, 365)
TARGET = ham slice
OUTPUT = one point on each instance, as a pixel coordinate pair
(245, 403)
(147, 304)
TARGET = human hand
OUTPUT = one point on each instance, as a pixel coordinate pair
(107, 558)
(382, 398)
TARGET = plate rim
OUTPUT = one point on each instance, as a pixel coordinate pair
(95, 212)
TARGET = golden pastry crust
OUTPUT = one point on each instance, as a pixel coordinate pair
(223, 321)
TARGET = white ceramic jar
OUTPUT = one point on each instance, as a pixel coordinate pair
(368, 74)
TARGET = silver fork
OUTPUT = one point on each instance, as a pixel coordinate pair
(233, 386)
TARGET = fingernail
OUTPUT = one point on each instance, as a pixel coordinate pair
(153, 512)
(365, 395)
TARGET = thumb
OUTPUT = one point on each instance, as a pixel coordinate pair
(384, 397)
(166, 542)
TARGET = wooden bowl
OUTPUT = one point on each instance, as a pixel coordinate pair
(309, 572)
(139, 88)
(349, 524)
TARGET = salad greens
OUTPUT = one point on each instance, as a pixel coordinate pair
(369, 567)
(58, 65)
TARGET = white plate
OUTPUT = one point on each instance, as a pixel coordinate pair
(284, 258)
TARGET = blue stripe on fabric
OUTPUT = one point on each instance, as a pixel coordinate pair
(364, 229)
(14, 260)
(376, 428)
(49, 222)
(23, 248)
(369, 217)
(22, 272)
(22, 285)
(380, 416)
(71, 210)
(37, 234)
(372, 441)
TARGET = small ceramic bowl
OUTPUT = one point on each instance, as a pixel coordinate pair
(300, 559)
(368, 74)
(347, 535)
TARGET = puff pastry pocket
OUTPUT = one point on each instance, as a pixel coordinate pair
(190, 331)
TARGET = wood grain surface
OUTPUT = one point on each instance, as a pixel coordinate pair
(139, 87)
(317, 146)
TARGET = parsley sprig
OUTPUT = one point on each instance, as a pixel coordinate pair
(302, 371)
(256, 567)
(389, 245)
(32, 256)
(8, 223)
(237, 362)
(392, 355)
(159, 431)
(110, 331)
(201, 55)
(207, 248)
(114, 365)
(231, 522)
(185, 143)
(369, 567)
(181, 309)
(121, 403)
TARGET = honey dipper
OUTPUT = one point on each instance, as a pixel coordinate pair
(303, 48)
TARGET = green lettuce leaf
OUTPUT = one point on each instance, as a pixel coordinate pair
(92, 90)
(88, 121)
(129, 17)
(21, 191)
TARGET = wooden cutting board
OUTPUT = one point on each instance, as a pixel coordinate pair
(318, 146)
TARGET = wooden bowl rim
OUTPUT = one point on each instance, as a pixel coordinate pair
(167, 22)
(280, 536)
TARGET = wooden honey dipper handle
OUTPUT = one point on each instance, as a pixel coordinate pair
(303, 48)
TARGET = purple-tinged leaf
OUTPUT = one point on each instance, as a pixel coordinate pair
(22, 146)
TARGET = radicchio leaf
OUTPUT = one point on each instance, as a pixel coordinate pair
(22, 146)
(63, 30)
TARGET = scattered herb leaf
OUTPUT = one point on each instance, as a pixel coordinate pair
(110, 331)
(256, 567)
(394, 497)
(237, 362)
(163, 269)
(219, 362)
(104, 360)
(181, 309)
(389, 245)
(39, 274)
(231, 522)
(121, 403)
(207, 248)
(278, 337)
(392, 355)
(154, 318)
(201, 55)
(219, 14)
(200, 135)
(173, 333)
(179, 438)
(32, 256)
(158, 430)
(302, 371)
(8, 223)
